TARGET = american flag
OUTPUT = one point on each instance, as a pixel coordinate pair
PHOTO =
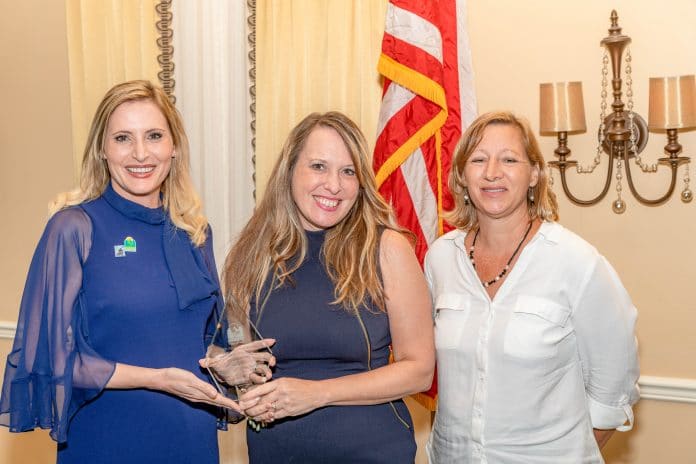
(428, 100)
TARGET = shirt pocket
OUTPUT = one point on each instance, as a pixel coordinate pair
(536, 328)
(451, 314)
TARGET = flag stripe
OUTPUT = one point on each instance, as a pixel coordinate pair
(428, 97)
(414, 30)
(418, 62)
(405, 123)
(424, 87)
(394, 100)
(421, 192)
(467, 93)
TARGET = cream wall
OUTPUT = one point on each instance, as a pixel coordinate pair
(515, 45)
(35, 133)
(35, 161)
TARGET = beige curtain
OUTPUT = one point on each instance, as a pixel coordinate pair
(314, 55)
(109, 41)
(212, 93)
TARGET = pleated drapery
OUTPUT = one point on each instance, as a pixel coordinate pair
(212, 91)
(314, 55)
(108, 42)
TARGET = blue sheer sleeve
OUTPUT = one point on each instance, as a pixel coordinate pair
(52, 370)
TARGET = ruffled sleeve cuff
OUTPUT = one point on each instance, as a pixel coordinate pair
(52, 370)
(26, 409)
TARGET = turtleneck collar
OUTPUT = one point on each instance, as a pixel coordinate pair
(316, 234)
(132, 209)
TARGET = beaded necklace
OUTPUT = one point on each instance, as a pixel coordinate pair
(507, 266)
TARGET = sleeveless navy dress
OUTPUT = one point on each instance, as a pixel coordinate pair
(317, 340)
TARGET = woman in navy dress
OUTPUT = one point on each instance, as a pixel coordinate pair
(121, 295)
(325, 270)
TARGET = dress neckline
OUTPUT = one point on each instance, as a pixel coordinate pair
(316, 234)
(132, 209)
(315, 243)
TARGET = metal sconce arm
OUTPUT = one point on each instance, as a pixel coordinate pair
(623, 134)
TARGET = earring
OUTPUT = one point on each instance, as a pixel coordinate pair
(466, 196)
(530, 195)
(174, 154)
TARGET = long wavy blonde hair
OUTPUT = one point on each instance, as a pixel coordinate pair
(179, 197)
(463, 215)
(273, 244)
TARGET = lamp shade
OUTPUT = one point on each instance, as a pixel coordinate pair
(561, 108)
(672, 102)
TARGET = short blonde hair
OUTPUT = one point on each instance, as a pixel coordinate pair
(463, 215)
(179, 197)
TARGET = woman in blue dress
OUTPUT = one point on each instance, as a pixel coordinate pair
(325, 270)
(121, 295)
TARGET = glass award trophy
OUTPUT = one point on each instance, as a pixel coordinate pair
(233, 330)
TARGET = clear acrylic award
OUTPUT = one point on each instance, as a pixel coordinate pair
(229, 368)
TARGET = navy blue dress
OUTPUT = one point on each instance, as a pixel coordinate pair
(317, 340)
(113, 281)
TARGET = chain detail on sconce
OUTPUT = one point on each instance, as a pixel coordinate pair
(622, 134)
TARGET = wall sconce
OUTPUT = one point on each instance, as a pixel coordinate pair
(623, 133)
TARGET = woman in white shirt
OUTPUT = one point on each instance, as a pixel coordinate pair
(537, 358)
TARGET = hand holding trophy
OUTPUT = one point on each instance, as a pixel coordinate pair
(238, 358)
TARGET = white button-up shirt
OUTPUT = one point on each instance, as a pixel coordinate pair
(525, 378)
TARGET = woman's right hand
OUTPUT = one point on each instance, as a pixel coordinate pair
(178, 382)
(186, 385)
(248, 363)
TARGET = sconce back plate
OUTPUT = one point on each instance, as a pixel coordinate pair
(640, 128)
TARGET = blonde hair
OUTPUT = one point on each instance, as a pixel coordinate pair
(463, 215)
(273, 244)
(179, 197)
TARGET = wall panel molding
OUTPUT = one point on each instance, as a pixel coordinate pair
(7, 330)
(667, 389)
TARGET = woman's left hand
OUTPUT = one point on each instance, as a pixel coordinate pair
(281, 398)
(248, 363)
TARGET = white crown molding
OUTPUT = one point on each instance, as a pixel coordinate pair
(651, 388)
